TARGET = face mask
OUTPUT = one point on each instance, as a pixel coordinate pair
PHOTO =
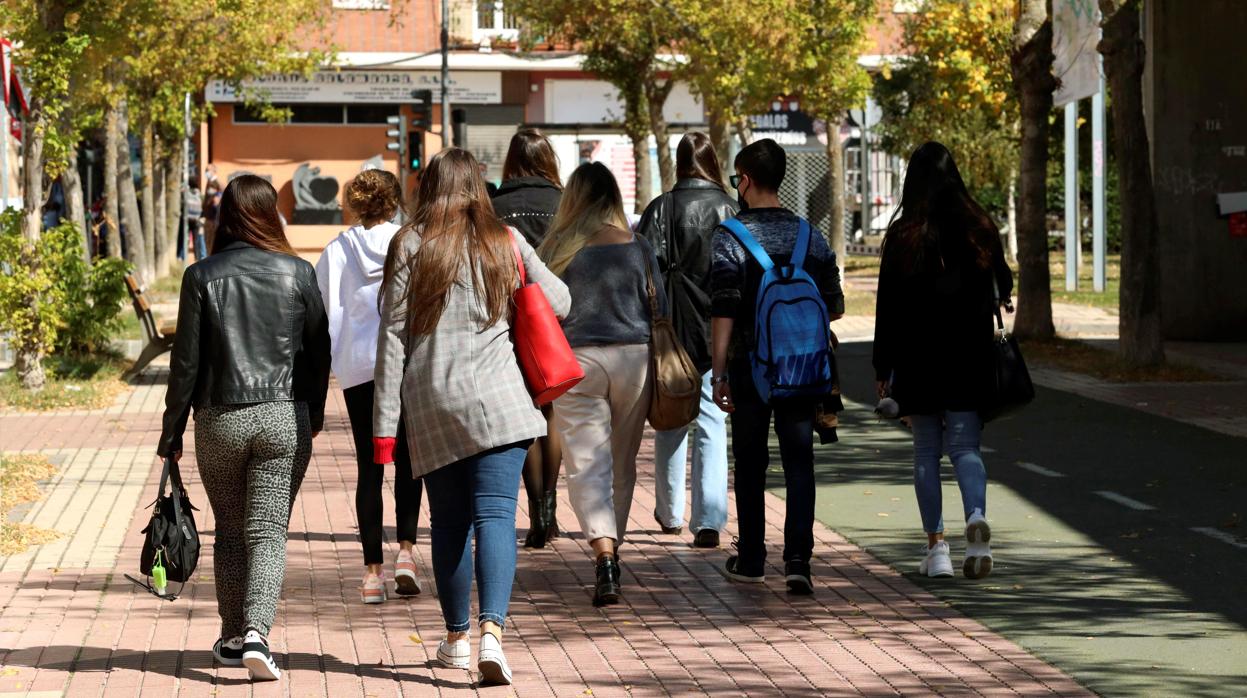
(740, 200)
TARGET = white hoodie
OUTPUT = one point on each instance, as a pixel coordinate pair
(349, 275)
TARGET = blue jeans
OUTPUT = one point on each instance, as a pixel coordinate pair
(475, 495)
(957, 434)
(709, 468)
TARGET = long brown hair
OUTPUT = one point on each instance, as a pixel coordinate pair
(935, 207)
(531, 155)
(695, 158)
(249, 214)
(592, 202)
(456, 225)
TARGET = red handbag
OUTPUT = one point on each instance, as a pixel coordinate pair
(546, 359)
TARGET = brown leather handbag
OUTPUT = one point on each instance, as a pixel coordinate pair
(676, 398)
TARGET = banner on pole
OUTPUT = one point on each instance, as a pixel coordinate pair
(1075, 33)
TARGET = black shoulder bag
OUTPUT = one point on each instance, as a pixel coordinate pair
(1010, 387)
(171, 539)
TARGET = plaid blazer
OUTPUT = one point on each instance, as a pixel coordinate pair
(459, 389)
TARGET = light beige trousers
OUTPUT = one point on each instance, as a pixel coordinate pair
(601, 421)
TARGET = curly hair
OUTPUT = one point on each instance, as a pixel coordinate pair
(373, 196)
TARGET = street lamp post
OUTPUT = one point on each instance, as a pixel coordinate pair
(445, 74)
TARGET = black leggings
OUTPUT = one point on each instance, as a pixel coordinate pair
(407, 491)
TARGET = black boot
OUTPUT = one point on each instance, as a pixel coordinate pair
(551, 500)
(606, 590)
(537, 529)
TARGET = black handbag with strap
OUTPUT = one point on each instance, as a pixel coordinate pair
(1010, 388)
(171, 539)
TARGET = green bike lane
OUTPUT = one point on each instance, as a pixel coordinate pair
(1099, 568)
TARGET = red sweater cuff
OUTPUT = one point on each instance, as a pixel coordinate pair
(383, 449)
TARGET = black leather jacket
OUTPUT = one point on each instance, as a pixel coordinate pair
(251, 328)
(691, 211)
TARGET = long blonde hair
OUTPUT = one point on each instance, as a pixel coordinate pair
(590, 203)
(457, 226)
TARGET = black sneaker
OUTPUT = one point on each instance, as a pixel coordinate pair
(706, 538)
(797, 574)
(669, 530)
(738, 571)
(228, 652)
(258, 659)
(606, 589)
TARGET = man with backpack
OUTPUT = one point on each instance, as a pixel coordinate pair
(774, 289)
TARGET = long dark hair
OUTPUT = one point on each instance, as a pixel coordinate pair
(935, 204)
(695, 158)
(249, 214)
(457, 226)
(531, 155)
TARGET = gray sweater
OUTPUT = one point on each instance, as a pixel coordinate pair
(610, 300)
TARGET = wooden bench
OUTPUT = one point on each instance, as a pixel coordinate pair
(159, 337)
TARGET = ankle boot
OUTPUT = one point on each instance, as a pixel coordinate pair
(607, 588)
(551, 500)
(537, 530)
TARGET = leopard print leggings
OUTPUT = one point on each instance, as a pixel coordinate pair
(252, 459)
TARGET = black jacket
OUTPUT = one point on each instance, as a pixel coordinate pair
(528, 205)
(251, 328)
(679, 225)
(934, 328)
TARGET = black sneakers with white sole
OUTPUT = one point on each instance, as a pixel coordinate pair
(797, 575)
(228, 652)
(258, 659)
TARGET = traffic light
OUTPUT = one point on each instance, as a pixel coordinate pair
(415, 150)
(397, 135)
(422, 110)
(459, 127)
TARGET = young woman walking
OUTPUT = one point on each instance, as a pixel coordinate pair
(680, 226)
(943, 272)
(446, 364)
(349, 273)
(527, 201)
(252, 357)
(608, 271)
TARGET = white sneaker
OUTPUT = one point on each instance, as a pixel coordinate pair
(938, 562)
(978, 562)
(491, 662)
(455, 655)
(259, 660)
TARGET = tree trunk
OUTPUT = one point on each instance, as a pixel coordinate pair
(835, 194)
(1011, 216)
(128, 203)
(28, 361)
(721, 135)
(1032, 78)
(1139, 327)
(160, 251)
(656, 97)
(112, 217)
(148, 161)
(636, 126)
(75, 209)
(173, 197)
(743, 131)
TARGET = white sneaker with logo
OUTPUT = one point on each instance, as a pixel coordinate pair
(938, 562)
(978, 563)
(455, 655)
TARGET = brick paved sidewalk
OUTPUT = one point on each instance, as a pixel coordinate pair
(71, 625)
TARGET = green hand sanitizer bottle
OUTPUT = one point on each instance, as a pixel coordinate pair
(159, 580)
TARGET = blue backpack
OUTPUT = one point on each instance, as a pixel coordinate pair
(792, 337)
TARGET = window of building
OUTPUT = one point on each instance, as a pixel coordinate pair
(323, 114)
(493, 21)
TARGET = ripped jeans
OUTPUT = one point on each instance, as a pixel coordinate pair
(957, 434)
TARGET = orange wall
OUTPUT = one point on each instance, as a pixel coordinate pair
(278, 149)
(410, 25)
